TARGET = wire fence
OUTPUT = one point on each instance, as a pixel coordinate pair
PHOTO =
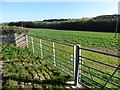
(91, 68)
(60, 55)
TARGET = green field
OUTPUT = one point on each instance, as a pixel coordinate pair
(21, 69)
(102, 41)
(98, 40)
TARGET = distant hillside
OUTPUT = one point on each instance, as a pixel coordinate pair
(115, 16)
(107, 17)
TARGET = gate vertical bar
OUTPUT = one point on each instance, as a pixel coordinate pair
(26, 37)
(74, 59)
(32, 45)
(76, 74)
(41, 54)
(80, 61)
(54, 54)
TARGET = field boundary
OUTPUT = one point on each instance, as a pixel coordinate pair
(78, 61)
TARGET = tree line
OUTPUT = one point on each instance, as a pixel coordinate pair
(84, 24)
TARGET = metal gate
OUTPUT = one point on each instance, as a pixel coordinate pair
(80, 63)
